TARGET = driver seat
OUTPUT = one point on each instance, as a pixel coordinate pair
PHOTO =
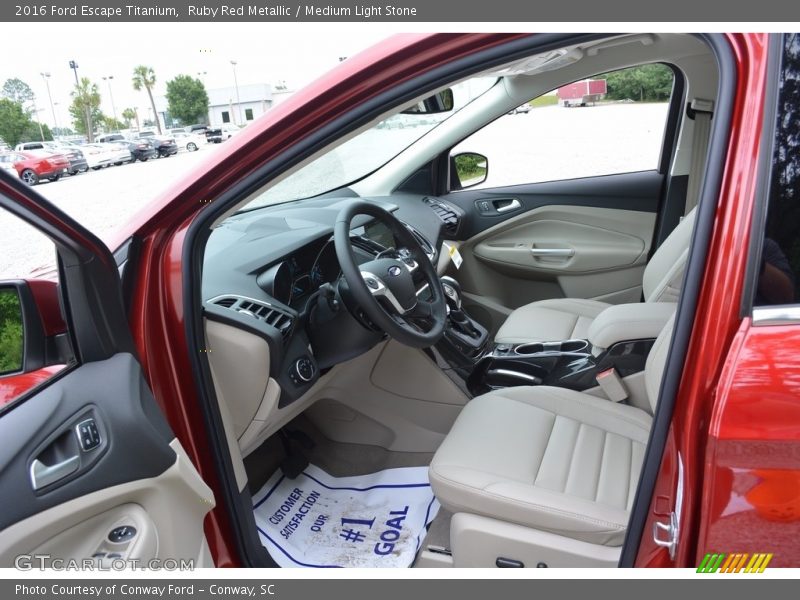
(549, 458)
(570, 318)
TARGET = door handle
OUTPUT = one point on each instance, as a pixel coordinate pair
(514, 204)
(43, 475)
(562, 252)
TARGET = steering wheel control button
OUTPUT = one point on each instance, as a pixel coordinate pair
(88, 434)
(122, 534)
(371, 282)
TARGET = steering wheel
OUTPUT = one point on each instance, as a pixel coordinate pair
(385, 288)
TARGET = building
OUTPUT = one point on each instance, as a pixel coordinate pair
(224, 106)
(253, 101)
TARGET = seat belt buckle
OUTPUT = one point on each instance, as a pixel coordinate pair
(612, 385)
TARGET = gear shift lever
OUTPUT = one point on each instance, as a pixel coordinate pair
(452, 292)
(459, 319)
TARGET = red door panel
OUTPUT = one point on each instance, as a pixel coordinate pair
(751, 500)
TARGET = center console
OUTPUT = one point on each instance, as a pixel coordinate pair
(569, 363)
(619, 341)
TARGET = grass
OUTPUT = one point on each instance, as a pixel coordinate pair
(544, 101)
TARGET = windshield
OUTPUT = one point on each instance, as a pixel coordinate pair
(366, 152)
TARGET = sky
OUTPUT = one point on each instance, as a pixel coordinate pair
(296, 53)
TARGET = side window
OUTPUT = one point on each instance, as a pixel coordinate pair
(612, 123)
(780, 254)
(248, 114)
(226, 117)
(34, 345)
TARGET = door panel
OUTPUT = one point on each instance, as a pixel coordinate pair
(89, 451)
(167, 512)
(586, 238)
(553, 241)
(71, 513)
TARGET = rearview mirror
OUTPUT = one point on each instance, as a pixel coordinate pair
(467, 170)
(440, 102)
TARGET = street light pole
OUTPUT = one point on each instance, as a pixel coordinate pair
(86, 114)
(46, 77)
(38, 120)
(238, 102)
(113, 108)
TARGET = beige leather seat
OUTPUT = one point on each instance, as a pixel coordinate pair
(570, 318)
(549, 458)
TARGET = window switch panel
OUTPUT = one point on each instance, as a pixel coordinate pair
(88, 434)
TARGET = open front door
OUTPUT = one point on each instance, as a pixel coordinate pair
(89, 468)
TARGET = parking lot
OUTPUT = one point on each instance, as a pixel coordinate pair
(556, 143)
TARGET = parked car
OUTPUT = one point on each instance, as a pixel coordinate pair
(190, 141)
(617, 386)
(141, 149)
(7, 161)
(164, 146)
(220, 134)
(77, 162)
(107, 138)
(197, 128)
(34, 165)
(522, 109)
(103, 155)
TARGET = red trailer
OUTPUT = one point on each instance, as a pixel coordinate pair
(582, 93)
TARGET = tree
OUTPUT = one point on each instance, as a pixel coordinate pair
(13, 121)
(32, 132)
(62, 131)
(18, 91)
(112, 124)
(85, 107)
(145, 77)
(650, 83)
(187, 98)
(129, 115)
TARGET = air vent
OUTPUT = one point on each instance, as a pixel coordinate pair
(263, 311)
(226, 302)
(445, 212)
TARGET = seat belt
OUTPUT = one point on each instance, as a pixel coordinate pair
(702, 110)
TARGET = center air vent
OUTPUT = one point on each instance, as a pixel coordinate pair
(272, 316)
(445, 212)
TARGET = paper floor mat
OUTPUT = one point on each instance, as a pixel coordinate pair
(315, 520)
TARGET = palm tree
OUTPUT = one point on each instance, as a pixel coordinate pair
(130, 115)
(145, 77)
(86, 106)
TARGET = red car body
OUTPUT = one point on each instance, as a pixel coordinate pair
(43, 164)
(735, 429)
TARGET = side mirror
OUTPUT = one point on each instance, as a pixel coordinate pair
(34, 344)
(440, 102)
(468, 169)
(22, 338)
(12, 344)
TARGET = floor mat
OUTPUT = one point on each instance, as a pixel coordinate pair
(315, 520)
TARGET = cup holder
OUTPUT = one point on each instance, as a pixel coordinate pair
(567, 346)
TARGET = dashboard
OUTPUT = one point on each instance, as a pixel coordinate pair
(292, 280)
(262, 270)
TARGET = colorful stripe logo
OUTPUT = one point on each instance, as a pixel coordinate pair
(714, 562)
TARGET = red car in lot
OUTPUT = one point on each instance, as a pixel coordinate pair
(34, 165)
(612, 379)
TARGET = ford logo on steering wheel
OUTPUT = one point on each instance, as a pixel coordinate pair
(394, 270)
